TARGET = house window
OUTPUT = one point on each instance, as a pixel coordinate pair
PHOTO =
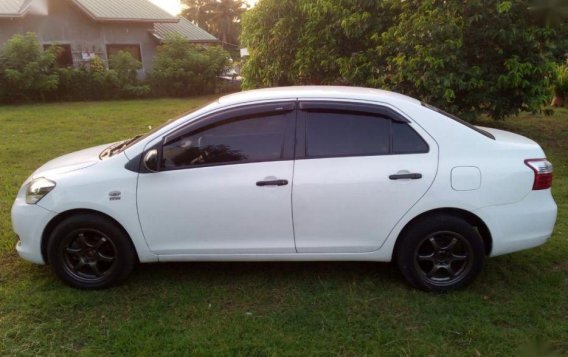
(134, 50)
(65, 58)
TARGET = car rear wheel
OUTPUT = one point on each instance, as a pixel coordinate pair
(90, 252)
(441, 253)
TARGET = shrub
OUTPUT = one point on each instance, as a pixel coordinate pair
(90, 82)
(560, 84)
(182, 69)
(27, 72)
(123, 76)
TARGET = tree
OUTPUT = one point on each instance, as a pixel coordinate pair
(196, 11)
(272, 37)
(221, 18)
(479, 56)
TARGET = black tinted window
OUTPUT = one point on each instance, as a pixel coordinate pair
(406, 140)
(346, 134)
(246, 140)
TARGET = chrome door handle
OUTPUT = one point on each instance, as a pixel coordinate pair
(406, 177)
(272, 183)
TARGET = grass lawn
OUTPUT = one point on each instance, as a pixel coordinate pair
(518, 305)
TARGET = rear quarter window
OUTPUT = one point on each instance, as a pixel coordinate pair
(407, 141)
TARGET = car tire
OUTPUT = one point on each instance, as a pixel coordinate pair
(440, 253)
(88, 251)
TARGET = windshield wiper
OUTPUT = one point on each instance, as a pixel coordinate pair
(118, 147)
(123, 145)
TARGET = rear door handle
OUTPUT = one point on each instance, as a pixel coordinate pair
(406, 177)
(272, 183)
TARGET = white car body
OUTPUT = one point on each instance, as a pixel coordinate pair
(343, 208)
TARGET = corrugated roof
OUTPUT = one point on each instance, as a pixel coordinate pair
(12, 8)
(124, 10)
(185, 28)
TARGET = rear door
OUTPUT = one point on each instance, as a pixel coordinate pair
(359, 168)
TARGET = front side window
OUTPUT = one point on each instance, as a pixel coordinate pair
(335, 134)
(250, 139)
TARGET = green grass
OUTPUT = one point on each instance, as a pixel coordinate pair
(518, 305)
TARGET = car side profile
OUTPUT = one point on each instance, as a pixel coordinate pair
(292, 174)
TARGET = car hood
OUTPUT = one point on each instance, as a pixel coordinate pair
(71, 162)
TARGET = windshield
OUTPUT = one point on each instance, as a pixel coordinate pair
(120, 146)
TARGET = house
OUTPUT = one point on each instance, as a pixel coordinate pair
(89, 28)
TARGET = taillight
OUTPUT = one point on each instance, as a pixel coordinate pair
(543, 172)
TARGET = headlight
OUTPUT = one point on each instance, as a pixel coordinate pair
(37, 189)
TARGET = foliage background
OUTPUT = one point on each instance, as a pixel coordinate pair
(481, 56)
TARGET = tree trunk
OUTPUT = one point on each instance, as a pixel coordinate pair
(558, 100)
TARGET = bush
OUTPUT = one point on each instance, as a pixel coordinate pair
(182, 69)
(27, 72)
(77, 84)
(84, 83)
(123, 77)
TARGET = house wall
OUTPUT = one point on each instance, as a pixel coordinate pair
(68, 24)
(8, 28)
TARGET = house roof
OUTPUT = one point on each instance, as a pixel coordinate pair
(13, 8)
(124, 10)
(185, 28)
(100, 10)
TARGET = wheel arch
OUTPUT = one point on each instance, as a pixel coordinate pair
(469, 217)
(64, 215)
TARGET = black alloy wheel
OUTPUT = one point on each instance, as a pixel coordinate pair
(440, 253)
(89, 255)
(89, 251)
(444, 258)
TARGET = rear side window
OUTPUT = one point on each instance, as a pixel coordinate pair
(342, 134)
(252, 139)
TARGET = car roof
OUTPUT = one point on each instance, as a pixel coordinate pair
(319, 92)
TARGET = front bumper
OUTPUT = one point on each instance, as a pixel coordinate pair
(29, 222)
(521, 225)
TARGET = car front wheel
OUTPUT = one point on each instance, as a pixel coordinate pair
(90, 252)
(441, 253)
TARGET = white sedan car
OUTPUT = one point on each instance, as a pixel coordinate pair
(292, 174)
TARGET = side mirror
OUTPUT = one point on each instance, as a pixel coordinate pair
(151, 160)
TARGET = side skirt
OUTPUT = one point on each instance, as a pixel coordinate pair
(300, 257)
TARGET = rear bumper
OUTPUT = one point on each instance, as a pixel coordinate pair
(522, 225)
(29, 222)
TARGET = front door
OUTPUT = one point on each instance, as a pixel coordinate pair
(224, 186)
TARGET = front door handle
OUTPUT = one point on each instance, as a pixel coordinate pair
(406, 177)
(272, 183)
